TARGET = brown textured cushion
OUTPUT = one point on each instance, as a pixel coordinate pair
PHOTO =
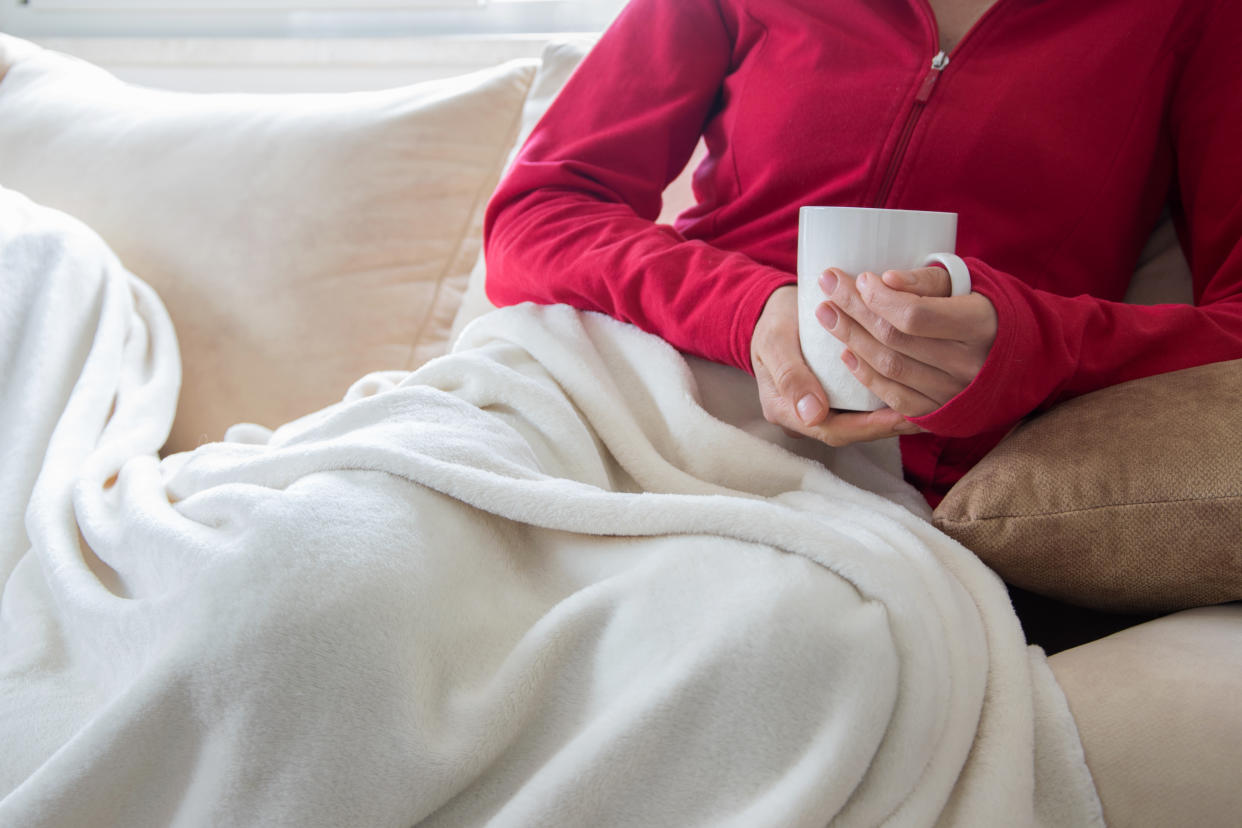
(1126, 499)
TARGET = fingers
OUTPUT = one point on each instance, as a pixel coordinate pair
(906, 339)
(902, 398)
(794, 401)
(896, 331)
(790, 394)
(837, 428)
(922, 281)
(890, 320)
(889, 364)
(898, 360)
(932, 317)
(845, 428)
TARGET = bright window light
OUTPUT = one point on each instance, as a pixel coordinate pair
(243, 5)
(308, 18)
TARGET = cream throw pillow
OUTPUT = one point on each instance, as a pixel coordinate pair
(299, 241)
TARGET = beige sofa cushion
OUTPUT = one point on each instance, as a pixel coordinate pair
(1125, 499)
(299, 241)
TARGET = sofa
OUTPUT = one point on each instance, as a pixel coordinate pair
(301, 242)
(250, 324)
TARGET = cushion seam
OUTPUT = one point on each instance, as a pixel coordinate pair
(1095, 508)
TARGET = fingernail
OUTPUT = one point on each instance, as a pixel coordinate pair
(809, 408)
(900, 277)
(826, 316)
(908, 428)
(828, 281)
(849, 359)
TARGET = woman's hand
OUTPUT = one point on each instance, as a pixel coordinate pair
(791, 395)
(905, 338)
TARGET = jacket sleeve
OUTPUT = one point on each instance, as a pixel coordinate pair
(574, 220)
(1050, 347)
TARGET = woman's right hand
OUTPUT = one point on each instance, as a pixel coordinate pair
(791, 395)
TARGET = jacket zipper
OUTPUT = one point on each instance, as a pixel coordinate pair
(938, 64)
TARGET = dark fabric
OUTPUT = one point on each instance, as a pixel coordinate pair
(1056, 626)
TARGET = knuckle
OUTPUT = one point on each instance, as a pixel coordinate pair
(843, 296)
(784, 377)
(890, 364)
(844, 329)
(904, 404)
(911, 317)
(899, 402)
(887, 333)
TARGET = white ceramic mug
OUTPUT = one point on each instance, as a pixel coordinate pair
(857, 240)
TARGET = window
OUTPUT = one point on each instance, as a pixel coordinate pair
(310, 18)
(219, 5)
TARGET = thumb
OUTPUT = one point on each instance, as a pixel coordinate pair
(922, 281)
(791, 395)
(800, 390)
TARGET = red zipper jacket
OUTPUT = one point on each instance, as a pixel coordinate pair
(1058, 131)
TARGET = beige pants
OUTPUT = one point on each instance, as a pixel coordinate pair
(1159, 709)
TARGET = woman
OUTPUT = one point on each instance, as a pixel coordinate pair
(1057, 130)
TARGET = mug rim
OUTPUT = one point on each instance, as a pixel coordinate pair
(848, 208)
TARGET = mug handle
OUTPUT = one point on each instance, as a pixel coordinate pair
(959, 274)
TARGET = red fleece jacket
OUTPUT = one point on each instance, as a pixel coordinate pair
(1059, 131)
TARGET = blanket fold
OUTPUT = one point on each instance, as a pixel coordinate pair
(561, 576)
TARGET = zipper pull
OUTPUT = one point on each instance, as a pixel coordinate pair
(939, 62)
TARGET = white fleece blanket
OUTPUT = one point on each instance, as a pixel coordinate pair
(561, 577)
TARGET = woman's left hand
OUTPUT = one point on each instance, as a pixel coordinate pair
(905, 338)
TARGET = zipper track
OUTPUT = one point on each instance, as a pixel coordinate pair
(938, 64)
